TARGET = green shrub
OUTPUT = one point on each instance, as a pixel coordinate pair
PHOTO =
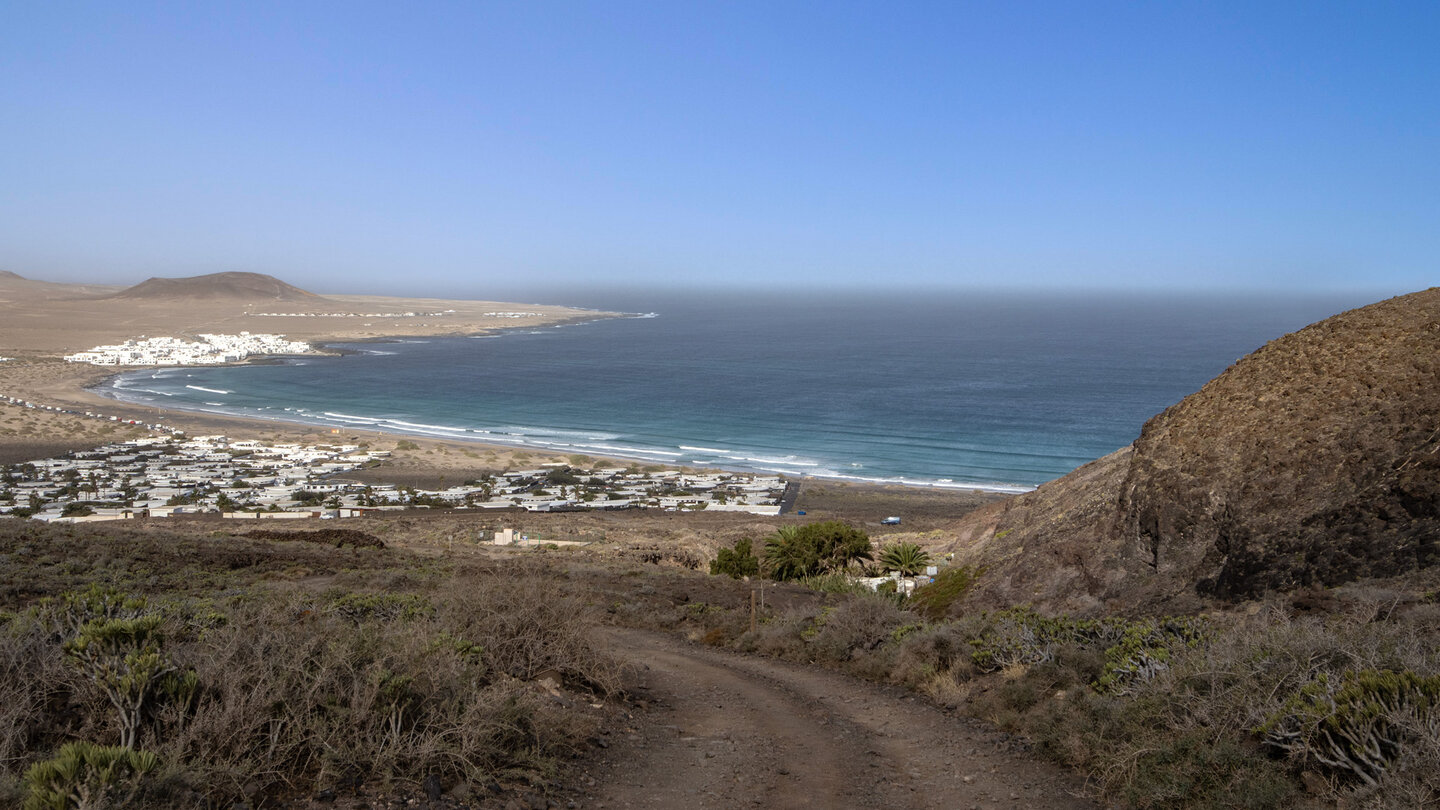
(1196, 769)
(794, 552)
(1134, 650)
(934, 600)
(736, 562)
(1355, 724)
(359, 607)
(75, 609)
(1145, 648)
(123, 657)
(84, 776)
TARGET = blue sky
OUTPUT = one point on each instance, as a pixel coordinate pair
(475, 147)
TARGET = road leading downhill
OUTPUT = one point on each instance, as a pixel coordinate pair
(725, 731)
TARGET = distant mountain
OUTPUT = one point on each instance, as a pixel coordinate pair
(219, 286)
(14, 286)
(1313, 461)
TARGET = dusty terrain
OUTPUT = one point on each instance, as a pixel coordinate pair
(719, 730)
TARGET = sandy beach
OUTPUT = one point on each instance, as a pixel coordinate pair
(30, 433)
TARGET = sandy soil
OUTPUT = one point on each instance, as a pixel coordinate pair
(719, 730)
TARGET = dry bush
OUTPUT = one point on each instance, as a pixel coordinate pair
(857, 626)
(1211, 702)
(946, 689)
(529, 623)
(34, 681)
(783, 636)
(298, 690)
(932, 651)
(294, 696)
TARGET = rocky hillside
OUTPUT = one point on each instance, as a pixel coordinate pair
(219, 286)
(15, 287)
(1313, 461)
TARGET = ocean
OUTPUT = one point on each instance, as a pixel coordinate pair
(1005, 391)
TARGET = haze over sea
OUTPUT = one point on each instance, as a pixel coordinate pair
(949, 389)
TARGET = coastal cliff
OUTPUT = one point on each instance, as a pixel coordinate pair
(1313, 461)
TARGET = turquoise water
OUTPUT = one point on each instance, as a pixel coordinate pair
(950, 390)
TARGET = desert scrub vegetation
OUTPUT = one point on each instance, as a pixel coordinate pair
(948, 589)
(1263, 705)
(249, 685)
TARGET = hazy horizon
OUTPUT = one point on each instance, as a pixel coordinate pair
(616, 294)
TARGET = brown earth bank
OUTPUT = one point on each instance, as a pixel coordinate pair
(1311, 462)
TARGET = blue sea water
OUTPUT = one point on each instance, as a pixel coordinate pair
(949, 389)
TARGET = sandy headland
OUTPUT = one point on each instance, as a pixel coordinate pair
(41, 319)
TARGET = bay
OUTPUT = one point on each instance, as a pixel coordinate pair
(1004, 390)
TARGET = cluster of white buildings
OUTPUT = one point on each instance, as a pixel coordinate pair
(557, 488)
(208, 350)
(512, 314)
(164, 476)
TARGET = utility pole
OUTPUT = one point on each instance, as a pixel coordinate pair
(752, 610)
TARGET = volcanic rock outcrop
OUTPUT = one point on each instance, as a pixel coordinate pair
(219, 286)
(1311, 462)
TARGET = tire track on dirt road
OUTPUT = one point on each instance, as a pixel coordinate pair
(721, 730)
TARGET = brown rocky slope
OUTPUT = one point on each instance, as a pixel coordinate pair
(238, 286)
(1313, 461)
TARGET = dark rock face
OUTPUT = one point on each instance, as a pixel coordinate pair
(242, 286)
(1313, 461)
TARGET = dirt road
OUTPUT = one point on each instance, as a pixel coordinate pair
(717, 730)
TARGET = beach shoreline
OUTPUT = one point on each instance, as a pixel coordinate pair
(418, 461)
(356, 427)
(37, 375)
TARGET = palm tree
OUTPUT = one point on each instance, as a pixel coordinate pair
(907, 558)
(783, 557)
(793, 552)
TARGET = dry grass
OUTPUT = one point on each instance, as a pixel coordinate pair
(364, 666)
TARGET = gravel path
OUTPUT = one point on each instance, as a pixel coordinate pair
(719, 730)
